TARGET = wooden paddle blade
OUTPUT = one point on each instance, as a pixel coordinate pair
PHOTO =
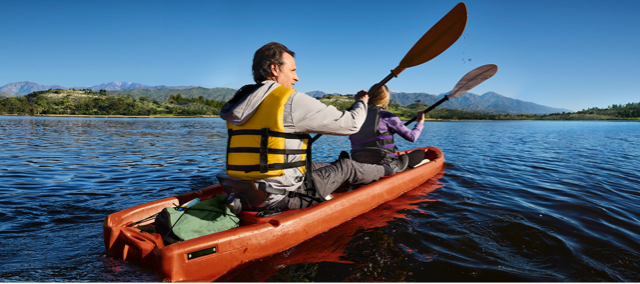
(473, 78)
(437, 39)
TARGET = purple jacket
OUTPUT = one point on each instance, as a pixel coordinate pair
(390, 122)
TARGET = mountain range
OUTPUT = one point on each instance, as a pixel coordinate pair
(26, 87)
(489, 102)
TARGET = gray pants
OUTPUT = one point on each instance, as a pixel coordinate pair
(329, 176)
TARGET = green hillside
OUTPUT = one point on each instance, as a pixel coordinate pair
(87, 102)
(4, 95)
(216, 94)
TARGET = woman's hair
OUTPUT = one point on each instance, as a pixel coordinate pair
(380, 97)
(270, 53)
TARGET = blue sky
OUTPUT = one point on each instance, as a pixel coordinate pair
(566, 54)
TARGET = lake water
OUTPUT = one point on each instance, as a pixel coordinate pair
(517, 201)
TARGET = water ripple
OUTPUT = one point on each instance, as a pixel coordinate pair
(518, 201)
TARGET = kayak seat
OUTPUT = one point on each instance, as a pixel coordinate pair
(431, 155)
(420, 163)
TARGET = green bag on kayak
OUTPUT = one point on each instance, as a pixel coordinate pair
(203, 218)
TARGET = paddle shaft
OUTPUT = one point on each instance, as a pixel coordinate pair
(437, 39)
(382, 83)
(428, 109)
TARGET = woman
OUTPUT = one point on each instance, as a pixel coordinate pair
(374, 142)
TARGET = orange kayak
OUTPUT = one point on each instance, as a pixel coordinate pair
(208, 257)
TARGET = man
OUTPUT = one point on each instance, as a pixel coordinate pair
(269, 125)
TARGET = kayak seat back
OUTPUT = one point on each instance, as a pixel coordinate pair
(370, 155)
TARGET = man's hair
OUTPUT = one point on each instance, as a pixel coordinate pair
(270, 53)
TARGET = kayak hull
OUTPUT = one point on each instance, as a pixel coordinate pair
(208, 257)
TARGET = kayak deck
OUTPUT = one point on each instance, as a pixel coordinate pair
(208, 257)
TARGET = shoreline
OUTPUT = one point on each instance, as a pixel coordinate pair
(217, 116)
(111, 116)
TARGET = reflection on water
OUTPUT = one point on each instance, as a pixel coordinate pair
(517, 201)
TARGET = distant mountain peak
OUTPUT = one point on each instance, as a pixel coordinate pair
(318, 94)
(25, 87)
(491, 93)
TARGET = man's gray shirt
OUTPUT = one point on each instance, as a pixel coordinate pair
(302, 114)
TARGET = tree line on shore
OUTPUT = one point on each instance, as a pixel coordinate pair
(88, 102)
(612, 112)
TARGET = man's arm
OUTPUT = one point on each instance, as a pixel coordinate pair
(312, 116)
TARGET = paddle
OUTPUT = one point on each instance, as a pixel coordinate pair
(437, 39)
(466, 83)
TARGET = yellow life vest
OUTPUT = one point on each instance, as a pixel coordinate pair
(256, 149)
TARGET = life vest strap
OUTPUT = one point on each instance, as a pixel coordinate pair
(269, 167)
(264, 145)
(384, 140)
(269, 151)
(264, 150)
(270, 133)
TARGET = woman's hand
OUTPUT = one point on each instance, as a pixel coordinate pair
(362, 95)
(420, 116)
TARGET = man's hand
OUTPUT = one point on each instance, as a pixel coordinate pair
(362, 95)
(420, 116)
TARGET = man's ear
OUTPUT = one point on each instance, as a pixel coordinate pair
(275, 71)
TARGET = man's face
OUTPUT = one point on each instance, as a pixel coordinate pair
(286, 75)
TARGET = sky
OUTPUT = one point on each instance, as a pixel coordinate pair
(564, 54)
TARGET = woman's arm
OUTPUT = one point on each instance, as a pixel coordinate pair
(390, 122)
